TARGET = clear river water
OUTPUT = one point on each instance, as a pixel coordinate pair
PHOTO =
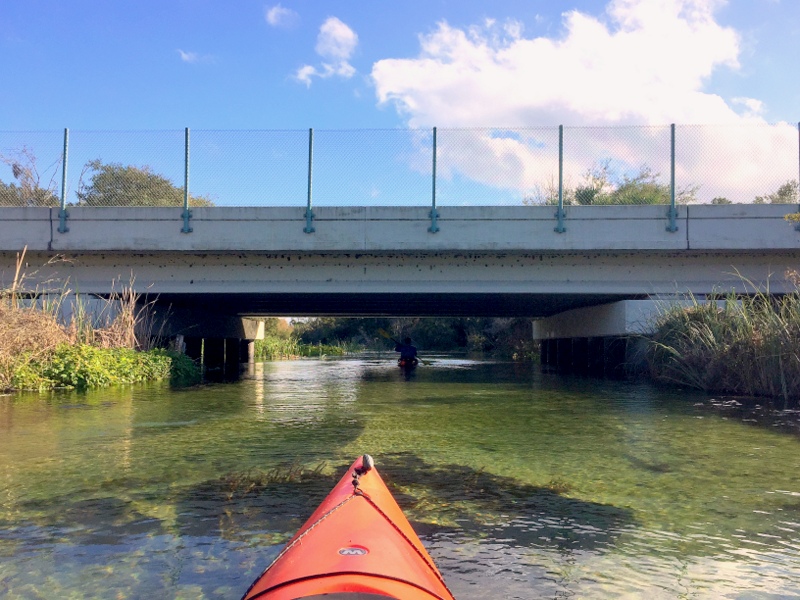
(522, 484)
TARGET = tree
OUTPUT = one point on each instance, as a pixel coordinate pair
(596, 187)
(116, 185)
(602, 186)
(720, 200)
(788, 193)
(29, 191)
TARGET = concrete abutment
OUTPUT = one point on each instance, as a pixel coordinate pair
(608, 340)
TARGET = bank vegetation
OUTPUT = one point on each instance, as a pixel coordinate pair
(336, 336)
(739, 344)
(51, 339)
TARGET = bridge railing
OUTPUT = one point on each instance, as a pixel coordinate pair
(492, 166)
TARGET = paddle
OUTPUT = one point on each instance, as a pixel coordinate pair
(385, 334)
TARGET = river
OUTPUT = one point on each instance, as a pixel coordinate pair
(522, 484)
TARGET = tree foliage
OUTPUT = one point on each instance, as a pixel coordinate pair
(29, 189)
(482, 334)
(788, 193)
(601, 185)
(114, 184)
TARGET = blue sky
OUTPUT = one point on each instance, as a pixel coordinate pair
(293, 64)
(342, 67)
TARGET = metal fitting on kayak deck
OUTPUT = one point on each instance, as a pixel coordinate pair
(366, 464)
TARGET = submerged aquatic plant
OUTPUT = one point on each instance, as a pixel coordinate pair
(241, 483)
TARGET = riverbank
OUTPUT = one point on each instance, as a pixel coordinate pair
(41, 350)
(282, 342)
(739, 345)
(39, 353)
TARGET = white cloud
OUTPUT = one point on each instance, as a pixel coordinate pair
(194, 57)
(305, 73)
(336, 43)
(189, 57)
(645, 64)
(279, 16)
(752, 106)
(642, 62)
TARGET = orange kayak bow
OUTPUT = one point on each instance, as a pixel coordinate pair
(358, 545)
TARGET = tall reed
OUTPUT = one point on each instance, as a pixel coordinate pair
(739, 344)
(36, 322)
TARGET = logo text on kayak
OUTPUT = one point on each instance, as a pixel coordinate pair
(353, 551)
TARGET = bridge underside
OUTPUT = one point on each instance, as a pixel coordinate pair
(413, 283)
(390, 304)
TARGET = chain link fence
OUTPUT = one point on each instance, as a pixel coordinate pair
(708, 164)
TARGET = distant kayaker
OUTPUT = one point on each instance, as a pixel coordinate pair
(406, 350)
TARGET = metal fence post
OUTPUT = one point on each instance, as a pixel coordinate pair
(309, 213)
(187, 214)
(672, 213)
(62, 213)
(434, 214)
(797, 227)
(560, 211)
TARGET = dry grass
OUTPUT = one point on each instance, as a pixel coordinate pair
(32, 325)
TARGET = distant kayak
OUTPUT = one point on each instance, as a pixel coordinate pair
(358, 545)
(407, 363)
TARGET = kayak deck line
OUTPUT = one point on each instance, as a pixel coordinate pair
(399, 568)
(292, 544)
(427, 561)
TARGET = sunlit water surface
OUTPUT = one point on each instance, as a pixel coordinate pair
(521, 484)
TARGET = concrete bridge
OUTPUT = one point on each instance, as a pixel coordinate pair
(594, 280)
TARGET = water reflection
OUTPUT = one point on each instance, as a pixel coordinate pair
(522, 484)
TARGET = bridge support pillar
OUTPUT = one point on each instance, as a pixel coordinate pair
(580, 355)
(564, 354)
(247, 351)
(194, 348)
(596, 356)
(615, 356)
(214, 356)
(544, 351)
(232, 357)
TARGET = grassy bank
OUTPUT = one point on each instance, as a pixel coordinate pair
(743, 345)
(41, 350)
(282, 342)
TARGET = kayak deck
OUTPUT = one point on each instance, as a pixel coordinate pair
(357, 545)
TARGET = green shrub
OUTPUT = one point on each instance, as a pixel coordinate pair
(273, 347)
(82, 366)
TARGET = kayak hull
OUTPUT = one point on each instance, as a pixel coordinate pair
(407, 363)
(357, 544)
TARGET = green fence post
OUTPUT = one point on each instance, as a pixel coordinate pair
(672, 213)
(187, 214)
(797, 227)
(62, 213)
(560, 211)
(310, 213)
(434, 214)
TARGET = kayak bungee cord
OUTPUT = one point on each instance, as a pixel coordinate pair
(431, 566)
(367, 463)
